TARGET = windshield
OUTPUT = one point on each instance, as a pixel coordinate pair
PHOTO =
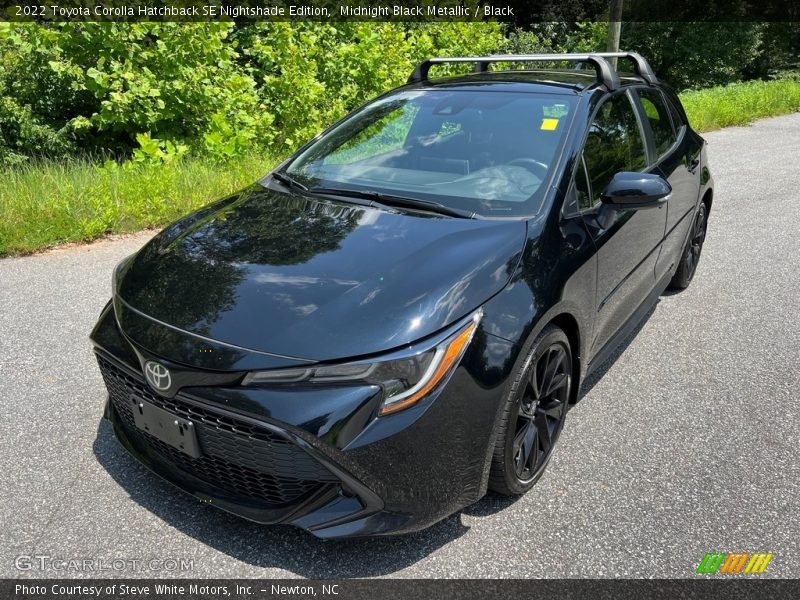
(487, 152)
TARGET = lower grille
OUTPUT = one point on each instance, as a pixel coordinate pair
(236, 455)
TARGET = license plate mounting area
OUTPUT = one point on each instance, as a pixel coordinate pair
(171, 429)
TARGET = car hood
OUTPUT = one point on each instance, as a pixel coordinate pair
(314, 279)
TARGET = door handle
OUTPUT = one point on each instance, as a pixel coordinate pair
(692, 166)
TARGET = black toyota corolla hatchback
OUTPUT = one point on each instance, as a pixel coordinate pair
(398, 317)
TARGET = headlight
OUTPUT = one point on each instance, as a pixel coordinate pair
(404, 381)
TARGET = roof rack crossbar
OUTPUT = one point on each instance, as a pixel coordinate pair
(640, 65)
(606, 74)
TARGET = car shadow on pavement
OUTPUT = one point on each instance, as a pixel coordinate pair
(603, 368)
(276, 546)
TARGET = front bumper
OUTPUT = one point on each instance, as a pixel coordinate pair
(315, 459)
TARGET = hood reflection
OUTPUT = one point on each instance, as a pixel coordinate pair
(322, 280)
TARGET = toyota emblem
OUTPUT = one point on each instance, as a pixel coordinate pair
(157, 375)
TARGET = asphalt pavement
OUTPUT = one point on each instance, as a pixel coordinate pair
(687, 444)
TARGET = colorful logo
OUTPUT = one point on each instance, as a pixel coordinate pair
(733, 563)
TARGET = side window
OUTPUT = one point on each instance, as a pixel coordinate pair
(614, 143)
(655, 108)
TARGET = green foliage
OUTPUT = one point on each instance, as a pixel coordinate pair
(51, 202)
(311, 74)
(546, 38)
(110, 83)
(740, 103)
(685, 55)
(156, 91)
(23, 136)
(210, 89)
(697, 55)
(152, 151)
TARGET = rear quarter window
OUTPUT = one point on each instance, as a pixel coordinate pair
(678, 120)
(657, 112)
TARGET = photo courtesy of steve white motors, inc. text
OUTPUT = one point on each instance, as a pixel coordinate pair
(192, 590)
(266, 11)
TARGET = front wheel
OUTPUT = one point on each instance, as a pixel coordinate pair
(691, 253)
(534, 414)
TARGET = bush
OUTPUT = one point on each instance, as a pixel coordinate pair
(109, 82)
(217, 89)
(23, 136)
(311, 74)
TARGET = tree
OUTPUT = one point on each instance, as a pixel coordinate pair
(614, 28)
(695, 55)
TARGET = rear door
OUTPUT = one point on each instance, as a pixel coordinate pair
(628, 247)
(676, 156)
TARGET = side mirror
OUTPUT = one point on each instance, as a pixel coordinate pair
(630, 191)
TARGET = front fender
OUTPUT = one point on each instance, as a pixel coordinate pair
(556, 279)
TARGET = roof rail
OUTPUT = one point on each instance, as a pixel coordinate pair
(640, 65)
(606, 74)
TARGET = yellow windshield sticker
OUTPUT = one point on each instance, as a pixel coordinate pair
(549, 124)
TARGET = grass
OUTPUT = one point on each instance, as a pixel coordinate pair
(49, 203)
(740, 103)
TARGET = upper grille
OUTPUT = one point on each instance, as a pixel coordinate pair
(236, 455)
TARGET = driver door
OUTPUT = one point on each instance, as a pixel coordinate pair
(628, 245)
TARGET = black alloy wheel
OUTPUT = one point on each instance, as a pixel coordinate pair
(695, 246)
(535, 415)
(691, 254)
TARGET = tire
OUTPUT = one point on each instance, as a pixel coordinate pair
(532, 421)
(691, 252)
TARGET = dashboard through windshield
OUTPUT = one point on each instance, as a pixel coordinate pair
(485, 152)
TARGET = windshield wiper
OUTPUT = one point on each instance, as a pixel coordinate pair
(289, 181)
(381, 199)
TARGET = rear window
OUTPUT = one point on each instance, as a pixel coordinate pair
(481, 151)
